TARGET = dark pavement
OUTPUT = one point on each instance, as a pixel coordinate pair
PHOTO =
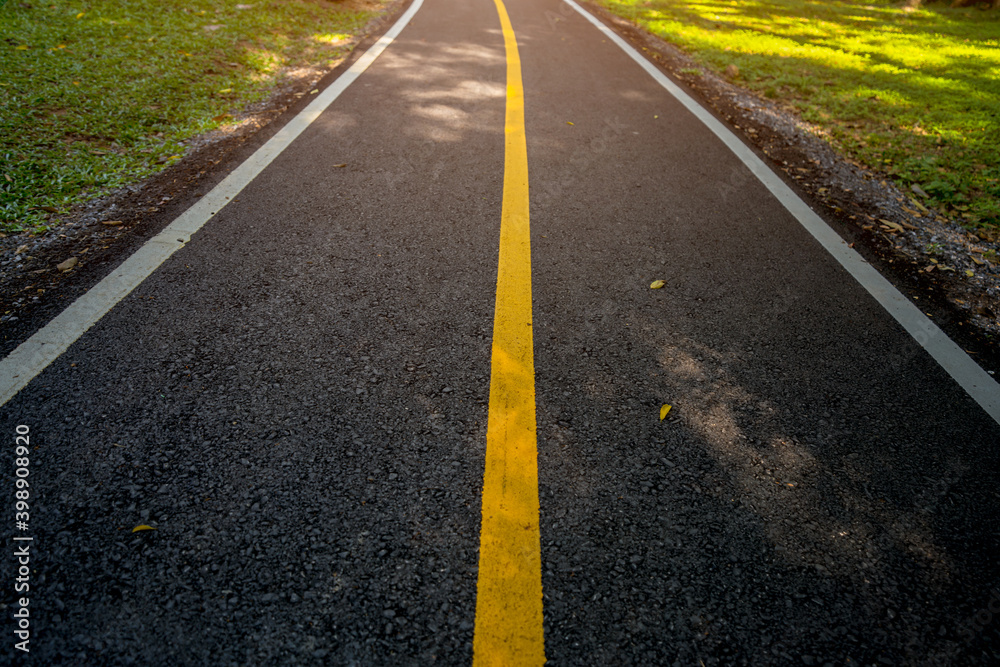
(297, 401)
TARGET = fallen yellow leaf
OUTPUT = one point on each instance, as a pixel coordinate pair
(226, 90)
(142, 527)
(68, 265)
(657, 284)
(567, 122)
(891, 226)
(23, 47)
(663, 411)
(80, 15)
(970, 272)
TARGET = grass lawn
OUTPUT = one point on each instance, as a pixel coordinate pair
(95, 94)
(911, 93)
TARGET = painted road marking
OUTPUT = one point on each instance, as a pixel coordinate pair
(509, 592)
(33, 355)
(966, 372)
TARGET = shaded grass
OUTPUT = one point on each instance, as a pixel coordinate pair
(912, 93)
(95, 94)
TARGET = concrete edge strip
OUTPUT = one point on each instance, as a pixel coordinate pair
(46, 345)
(973, 379)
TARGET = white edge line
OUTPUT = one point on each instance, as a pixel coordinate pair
(41, 349)
(973, 379)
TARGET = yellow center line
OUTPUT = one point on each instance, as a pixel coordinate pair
(509, 592)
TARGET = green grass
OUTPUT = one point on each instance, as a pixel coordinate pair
(911, 93)
(97, 94)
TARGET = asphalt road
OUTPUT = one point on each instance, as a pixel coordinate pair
(297, 401)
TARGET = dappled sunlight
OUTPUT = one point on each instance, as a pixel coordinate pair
(635, 96)
(786, 485)
(907, 54)
(464, 91)
(478, 53)
(450, 121)
(836, 43)
(332, 38)
(780, 485)
(938, 65)
(263, 62)
(433, 84)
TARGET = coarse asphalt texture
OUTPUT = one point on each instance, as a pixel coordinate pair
(297, 402)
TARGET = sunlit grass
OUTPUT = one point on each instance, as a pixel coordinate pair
(95, 94)
(912, 93)
(332, 38)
